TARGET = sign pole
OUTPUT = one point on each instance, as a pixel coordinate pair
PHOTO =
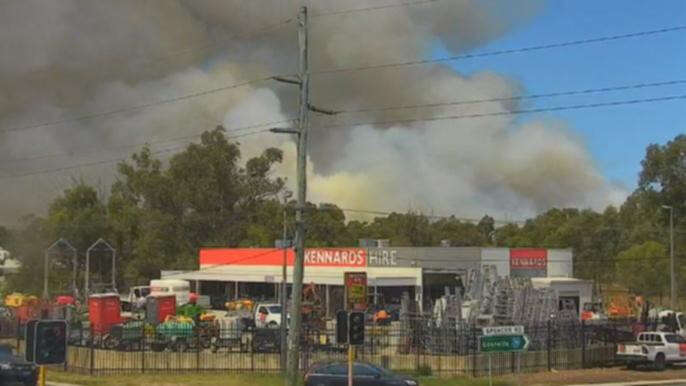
(490, 375)
(41, 376)
(350, 365)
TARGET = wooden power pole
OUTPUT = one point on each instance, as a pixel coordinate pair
(303, 81)
(293, 376)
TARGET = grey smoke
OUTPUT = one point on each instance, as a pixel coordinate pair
(68, 58)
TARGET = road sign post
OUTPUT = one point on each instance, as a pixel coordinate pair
(356, 300)
(502, 339)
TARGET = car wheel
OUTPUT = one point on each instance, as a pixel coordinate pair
(110, 342)
(659, 362)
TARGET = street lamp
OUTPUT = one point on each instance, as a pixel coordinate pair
(671, 257)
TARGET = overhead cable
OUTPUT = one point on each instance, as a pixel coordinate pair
(514, 112)
(518, 97)
(504, 51)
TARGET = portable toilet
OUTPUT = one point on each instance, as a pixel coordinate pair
(158, 307)
(104, 311)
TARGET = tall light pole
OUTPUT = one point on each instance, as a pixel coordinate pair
(672, 282)
(284, 292)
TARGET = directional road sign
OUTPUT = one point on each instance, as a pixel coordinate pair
(504, 343)
(503, 330)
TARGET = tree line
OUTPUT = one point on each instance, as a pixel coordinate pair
(158, 214)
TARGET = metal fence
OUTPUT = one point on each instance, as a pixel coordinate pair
(136, 347)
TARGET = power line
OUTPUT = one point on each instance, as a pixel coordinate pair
(138, 107)
(376, 8)
(505, 51)
(515, 112)
(73, 153)
(520, 97)
(108, 161)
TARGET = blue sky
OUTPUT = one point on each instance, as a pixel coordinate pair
(615, 136)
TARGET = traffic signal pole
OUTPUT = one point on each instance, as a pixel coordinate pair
(41, 375)
(350, 364)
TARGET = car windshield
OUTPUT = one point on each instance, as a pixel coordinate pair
(673, 338)
(274, 309)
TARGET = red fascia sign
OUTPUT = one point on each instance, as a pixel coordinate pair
(314, 257)
(528, 258)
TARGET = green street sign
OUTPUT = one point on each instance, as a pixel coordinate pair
(504, 343)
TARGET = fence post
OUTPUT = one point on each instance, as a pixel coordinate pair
(19, 335)
(198, 347)
(583, 344)
(252, 356)
(143, 343)
(548, 344)
(474, 349)
(419, 343)
(512, 362)
(92, 352)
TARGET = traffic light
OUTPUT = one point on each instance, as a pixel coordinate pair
(30, 335)
(50, 342)
(356, 328)
(342, 327)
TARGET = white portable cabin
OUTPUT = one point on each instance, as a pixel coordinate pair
(180, 288)
(577, 290)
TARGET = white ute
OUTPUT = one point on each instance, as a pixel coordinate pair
(653, 348)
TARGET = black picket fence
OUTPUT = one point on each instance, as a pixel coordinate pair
(137, 347)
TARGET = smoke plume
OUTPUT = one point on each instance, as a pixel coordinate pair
(73, 58)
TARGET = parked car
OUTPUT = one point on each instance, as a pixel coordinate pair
(364, 374)
(656, 349)
(16, 369)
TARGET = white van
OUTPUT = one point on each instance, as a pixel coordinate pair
(180, 288)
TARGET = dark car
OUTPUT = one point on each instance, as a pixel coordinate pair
(364, 374)
(14, 369)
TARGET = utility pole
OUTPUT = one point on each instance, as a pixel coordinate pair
(284, 290)
(672, 281)
(672, 275)
(299, 266)
(303, 82)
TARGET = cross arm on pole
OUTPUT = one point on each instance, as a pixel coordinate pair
(282, 130)
(321, 110)
(283, 79)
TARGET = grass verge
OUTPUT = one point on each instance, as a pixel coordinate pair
(225, 379)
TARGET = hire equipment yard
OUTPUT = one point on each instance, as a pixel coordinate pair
(431, 310)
